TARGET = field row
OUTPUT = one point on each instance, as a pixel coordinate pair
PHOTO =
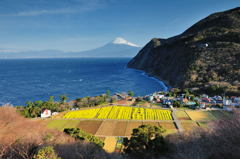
(120, 112)
(201, 115)
(107, 128)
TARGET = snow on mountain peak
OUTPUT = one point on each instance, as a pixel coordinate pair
(120, 40)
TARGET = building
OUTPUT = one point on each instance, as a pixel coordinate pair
(190, 103)
(202, 105)
(160, 96)
(46, 113)
(150, 98)
(184, 100)
(167, 102)
(206, 100)
(227, 102)
(55, 113)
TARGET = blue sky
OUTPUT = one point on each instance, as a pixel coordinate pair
(76, 25)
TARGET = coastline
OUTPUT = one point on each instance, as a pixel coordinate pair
(154, 77)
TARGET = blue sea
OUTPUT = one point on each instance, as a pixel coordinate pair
(23, 80)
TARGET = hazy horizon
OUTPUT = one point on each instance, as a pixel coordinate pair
(78, 25)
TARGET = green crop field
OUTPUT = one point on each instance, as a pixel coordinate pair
(207, 115)
(220, 114)
(120, 112)
(60, 124)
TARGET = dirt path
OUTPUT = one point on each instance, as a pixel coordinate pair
(110, 144)
(177, 122)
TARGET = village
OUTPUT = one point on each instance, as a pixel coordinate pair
(114, 119)
(187, 101)
(167, 100)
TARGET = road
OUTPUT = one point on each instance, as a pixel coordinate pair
(177, 122)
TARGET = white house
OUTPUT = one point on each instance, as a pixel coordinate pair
(204, 96)
(46, 113)
(150, 98)
(202, 105)
(160, 96)
(227, 102)
(203, 45)
(55, 113)
(236, 100)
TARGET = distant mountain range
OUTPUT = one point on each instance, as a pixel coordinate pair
(117, 48)
(206, 57)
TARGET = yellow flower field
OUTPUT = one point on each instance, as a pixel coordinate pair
(121, 112)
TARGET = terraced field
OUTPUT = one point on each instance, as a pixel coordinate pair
(220, 114)
(107, 127)
(60, 124)
(110, 144)
(189, 125)
(120, 112)
(201, 115)
(93, 121)
(182, 115)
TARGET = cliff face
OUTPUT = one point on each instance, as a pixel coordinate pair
(205, 55)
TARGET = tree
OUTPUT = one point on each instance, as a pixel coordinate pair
(30, 104)
(82, 135)
(192, 97)
(108, 93)
(113, 99)
(38, 103)
(176, 104)
(131, 93)
(35, 112)
(63, 99)
(197, 103)
(176, 90)
(46, 153)
(171, 94)
(51, 99)
(186, 92)
(145, 140)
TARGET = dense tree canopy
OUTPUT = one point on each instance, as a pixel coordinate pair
(146, 139)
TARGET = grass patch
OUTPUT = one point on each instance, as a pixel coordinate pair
(203, 124)
(61, 124)
(189, 125)
(170, 131)
(219, 114)
(201, 115)
(182, 115)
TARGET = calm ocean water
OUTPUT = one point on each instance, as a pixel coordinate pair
(23, 80)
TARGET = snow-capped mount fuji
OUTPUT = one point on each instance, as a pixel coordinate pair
(117, 48)
(120, 40)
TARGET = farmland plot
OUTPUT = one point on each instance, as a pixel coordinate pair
(201, 115)
(90, 126)
(131, 126)
(120, 128)
(121, 112)
(106, 128)
(182, 115)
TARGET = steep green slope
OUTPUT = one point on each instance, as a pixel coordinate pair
(205, 57)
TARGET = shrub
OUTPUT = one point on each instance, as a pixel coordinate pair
(220, 141)
(82, 135)
(46, 153)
